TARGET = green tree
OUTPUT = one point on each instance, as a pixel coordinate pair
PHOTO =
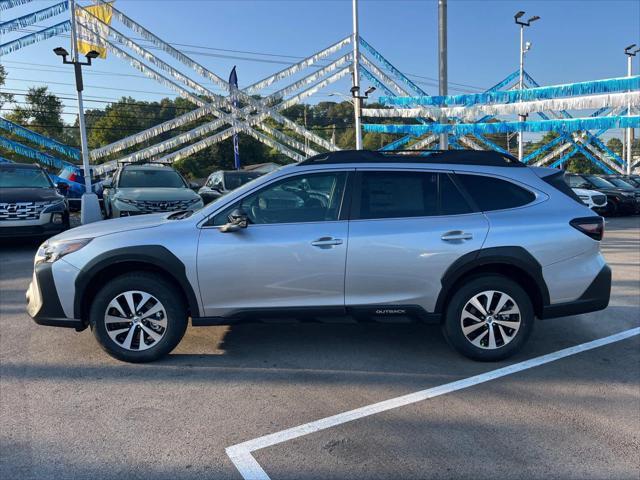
(615, 144)
(4, 97)
(42, 113)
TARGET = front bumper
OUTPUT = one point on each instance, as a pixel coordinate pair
(43, 303)
(42, 227)
(595, 297)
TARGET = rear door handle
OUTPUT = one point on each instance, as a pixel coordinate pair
(456, 235)
(326, 242)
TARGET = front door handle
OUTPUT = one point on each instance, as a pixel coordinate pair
(456, 235)
(326, 242)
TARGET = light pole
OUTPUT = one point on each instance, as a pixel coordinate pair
(355, 89)
(630, 52)
(89, 206)
(88, 212)
(442, 63)
(523, 49)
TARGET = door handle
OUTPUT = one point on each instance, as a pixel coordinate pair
(326, 242)
(456, 235)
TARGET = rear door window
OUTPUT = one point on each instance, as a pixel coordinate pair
(403, 194)
(491, 193)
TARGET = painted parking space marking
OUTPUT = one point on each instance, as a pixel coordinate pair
(241, 453)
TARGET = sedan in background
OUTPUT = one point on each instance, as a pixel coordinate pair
(596, 201)
(619, 201)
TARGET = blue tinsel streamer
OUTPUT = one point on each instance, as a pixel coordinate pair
(538, 93)
(35, 17)
(7, 4)
(5, 160)
(35, 37)
(561, 125)
(39, 139)
(33, 154)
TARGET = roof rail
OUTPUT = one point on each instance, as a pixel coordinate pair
(455, 157)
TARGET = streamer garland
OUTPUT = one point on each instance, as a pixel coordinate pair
(538, 93)
(32, 38)
(39, 139)
(562, 125)
(7, 4)
(35, 17)
(33, 154)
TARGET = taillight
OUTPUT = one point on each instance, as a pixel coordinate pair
(591, 226)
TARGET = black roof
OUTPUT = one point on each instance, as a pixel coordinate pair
(457, 157)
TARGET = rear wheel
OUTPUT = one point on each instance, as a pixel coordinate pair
(489, 318)
(138, 317)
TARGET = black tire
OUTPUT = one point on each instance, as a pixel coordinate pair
(612, 208)
(165, 292)
(453, 324)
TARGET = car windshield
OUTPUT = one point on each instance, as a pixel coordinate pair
(600, 182)
(233, 180)
(618, 182)
(143, 178)
(24, 178)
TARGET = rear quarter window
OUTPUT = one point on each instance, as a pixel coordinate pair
(491, 193)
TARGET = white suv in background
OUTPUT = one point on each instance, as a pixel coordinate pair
(592, 199)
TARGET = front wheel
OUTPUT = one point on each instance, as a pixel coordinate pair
(138, 317)
(489, 318)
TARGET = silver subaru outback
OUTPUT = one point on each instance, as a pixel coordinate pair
(475, 241)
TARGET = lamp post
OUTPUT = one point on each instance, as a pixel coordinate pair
(90, 206)
(524, 47)
(356, 76)
(630, 52)
(356, 100)
(442, 63)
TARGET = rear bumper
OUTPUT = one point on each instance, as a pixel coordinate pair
(43, 303)
(596, 297)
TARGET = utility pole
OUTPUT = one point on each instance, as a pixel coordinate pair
(89, 206)
(355, 90)
(523, 49)
(306, 140)
(442, 63)
(628, 143)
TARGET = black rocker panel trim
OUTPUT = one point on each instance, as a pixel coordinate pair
(155, 255)
(513, 256)
(361, 313)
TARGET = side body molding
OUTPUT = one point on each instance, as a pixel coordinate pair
(511, 256)
(154, 255)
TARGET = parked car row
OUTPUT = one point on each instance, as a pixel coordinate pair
(621, 193)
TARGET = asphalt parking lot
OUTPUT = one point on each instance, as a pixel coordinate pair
(67, 410)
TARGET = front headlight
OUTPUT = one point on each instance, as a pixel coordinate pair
(50, 251)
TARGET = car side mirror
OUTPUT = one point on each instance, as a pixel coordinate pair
(238, 219)
(107, 184)
(62, 188)
(193, 186)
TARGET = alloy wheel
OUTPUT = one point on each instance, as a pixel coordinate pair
(135, 320)
(490, 320)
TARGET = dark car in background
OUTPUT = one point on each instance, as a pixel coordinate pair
(619, 200)
(30, 204)
(623, 182)
(222, 182)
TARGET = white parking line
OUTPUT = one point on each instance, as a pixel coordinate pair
(250, 469)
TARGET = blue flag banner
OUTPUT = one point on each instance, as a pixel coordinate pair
(560, 125)
(32, 153)
(539, 93)
(32, 38)
(35, 17)
(39, 139)
(7, 4)
(233, 89)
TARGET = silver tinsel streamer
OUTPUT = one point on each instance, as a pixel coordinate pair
(256, 87)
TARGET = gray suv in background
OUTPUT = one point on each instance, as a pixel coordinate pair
(137, 189)
(475, 241)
